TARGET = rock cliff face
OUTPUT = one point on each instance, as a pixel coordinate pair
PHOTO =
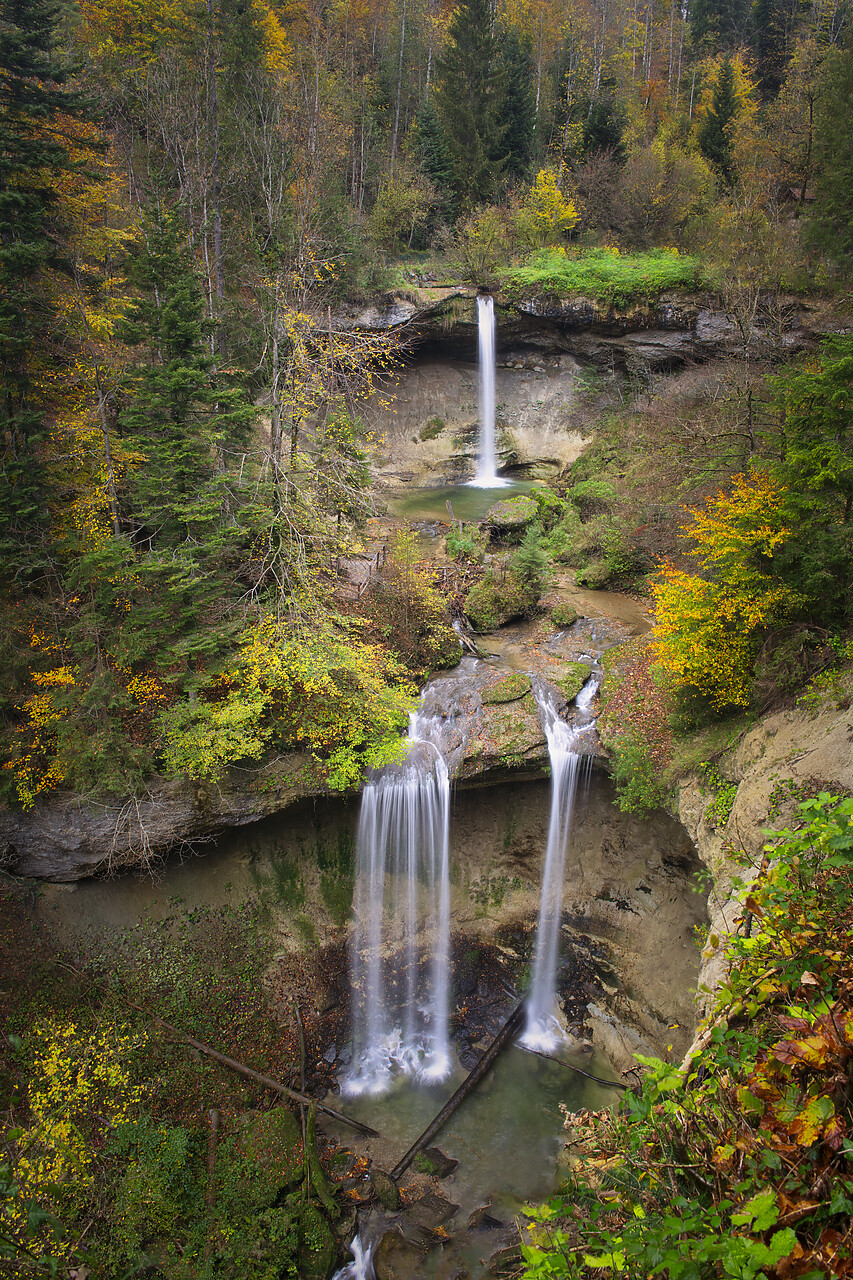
(785, 758)
(558, 365)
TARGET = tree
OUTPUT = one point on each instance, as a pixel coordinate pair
(518, 113)
(816, 409)
(718, 24)
(709, 625)
(715, 130)
(468, 97)
(37, 114)
(431, 149)
(181, 416)
(546, 215)
(832, 226)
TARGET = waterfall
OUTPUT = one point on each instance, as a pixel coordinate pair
(487, 477)
(542, 1030)
(361, 1267)
(399, 959)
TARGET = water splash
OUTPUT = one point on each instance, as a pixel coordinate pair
(543, 1030)
(399, 959)
(487, 477)
(361, 1267)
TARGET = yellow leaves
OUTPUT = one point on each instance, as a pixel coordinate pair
(707, 627)
(77, 1075)
(552, 214)
(59, 676)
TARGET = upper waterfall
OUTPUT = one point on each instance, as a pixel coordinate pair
(487, 477)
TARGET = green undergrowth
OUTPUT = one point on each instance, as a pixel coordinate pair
(107, 1165)
(739, 1163)
(603, 274)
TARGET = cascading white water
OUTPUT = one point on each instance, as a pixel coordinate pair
(361, 1267)
(399, 958)
(487, 477)
(542, 1030)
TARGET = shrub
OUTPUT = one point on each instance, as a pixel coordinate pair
(564, 614)
(530, 562)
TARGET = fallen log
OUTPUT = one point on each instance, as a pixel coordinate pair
(501, 1040)
(267, 1081)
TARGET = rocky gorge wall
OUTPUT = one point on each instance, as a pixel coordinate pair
(783, 759)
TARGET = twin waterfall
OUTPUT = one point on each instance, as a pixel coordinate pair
(401, 941)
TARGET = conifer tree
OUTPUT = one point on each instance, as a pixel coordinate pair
(469, 97)
(33, 163)
(517, 113)
(182, 417)
(715, 133)
(432, 150)
(833, 217)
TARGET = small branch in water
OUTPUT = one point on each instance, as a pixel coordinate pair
(501, 1040)
(549, 1057)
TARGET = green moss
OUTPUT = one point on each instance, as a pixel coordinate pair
(433, 428)
(317, 1246)
(507, 690)
(495, 601)
(512, 514)
(613, 279)
(573, 679)
(564, 614)
(272, 1148)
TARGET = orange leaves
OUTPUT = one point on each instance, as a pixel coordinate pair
(801, 1079)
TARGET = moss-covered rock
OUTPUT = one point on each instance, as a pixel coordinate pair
(512, 515)
(386, 1190)
(273, 1157)
(564, 614)
(572, 679)
(317, 1246)
(508, 735)
(495, 601)
(508, 689)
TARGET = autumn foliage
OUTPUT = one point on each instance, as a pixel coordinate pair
(709, 623)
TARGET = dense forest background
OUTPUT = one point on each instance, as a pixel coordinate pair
(189, 190)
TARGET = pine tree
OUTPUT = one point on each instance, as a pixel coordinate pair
(719, 24)
(715, 133)
(517, 115)
(832, 227)
(469, 96)
(33, 163)
(432, 150)
(182, 418)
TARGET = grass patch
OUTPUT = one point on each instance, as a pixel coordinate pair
(603, 274)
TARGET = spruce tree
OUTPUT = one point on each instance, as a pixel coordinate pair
(715, 134)
(469, 97)
(33, 163)
(719, 24)
(182, 418)
(432, 150)
(517, 114)
(832, 226)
